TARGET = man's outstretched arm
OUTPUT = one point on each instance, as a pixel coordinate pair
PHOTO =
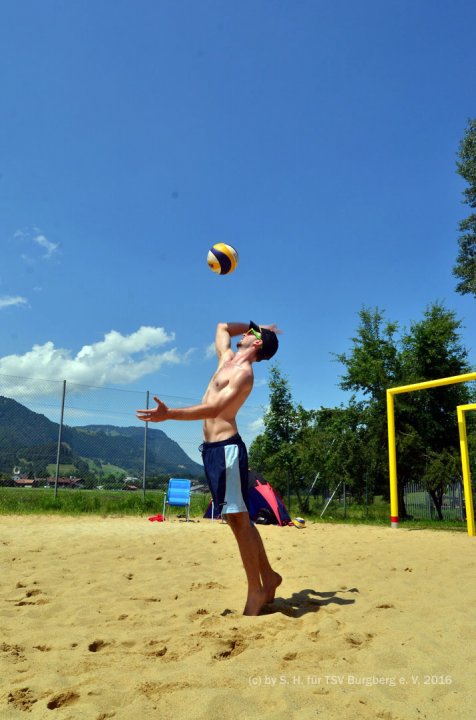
(162, 412)
(228, 396)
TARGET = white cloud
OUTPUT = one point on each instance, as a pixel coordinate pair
(43, 242)
(112, 360)
(9, 300)
(37, 237)
(256, 426)
(210, 351)
(260, 382)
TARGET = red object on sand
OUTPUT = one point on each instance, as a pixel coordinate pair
(158, 518)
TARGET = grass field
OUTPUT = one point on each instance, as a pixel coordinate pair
(64, 470)
(40, 501)
(97, 502)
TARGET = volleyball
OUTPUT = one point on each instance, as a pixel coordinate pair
(222, 259)
(299, 522)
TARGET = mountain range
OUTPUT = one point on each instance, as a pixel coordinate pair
(27, 437)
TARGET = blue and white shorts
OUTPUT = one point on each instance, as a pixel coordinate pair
(226, 470)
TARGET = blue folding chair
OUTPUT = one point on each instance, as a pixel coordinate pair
(178, 495)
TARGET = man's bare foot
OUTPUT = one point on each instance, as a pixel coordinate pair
(255, 602)
(270, 584)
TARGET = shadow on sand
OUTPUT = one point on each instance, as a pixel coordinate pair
(306, 601)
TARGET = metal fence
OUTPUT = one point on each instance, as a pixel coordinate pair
(71, 435)
(419, 504)
(52, 432)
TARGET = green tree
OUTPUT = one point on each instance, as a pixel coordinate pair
(298, 444)
(442, 469)
(332, 449)
(427, 429)
(374, 359)
(465, 268)
(425, 421)
(372, 366)
(274, 452)
(432, 349)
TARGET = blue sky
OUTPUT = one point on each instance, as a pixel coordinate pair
(318, 138)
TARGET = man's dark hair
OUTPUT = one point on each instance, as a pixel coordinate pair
(269, 342)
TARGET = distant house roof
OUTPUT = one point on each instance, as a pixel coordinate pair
(66, 481)
(24, 482)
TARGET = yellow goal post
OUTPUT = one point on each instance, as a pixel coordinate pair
(461, 411)
(392, 449)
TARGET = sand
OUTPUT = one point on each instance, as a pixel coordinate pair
(129, 619)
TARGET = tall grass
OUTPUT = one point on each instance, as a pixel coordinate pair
(42, 501)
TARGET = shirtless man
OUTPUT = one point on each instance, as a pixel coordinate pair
(224, 453)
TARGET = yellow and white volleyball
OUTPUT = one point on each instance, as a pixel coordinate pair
(299, 523)
(222, 259)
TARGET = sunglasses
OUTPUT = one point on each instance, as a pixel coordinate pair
(254, 332)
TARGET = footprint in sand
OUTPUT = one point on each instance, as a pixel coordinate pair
(14, 651)
(29, 598)
(22, 699)
(154, 690)
(61, 699)
(231, 648)
(290, 656)
(97, 645)
(158, 648)
(358, 639)
(160, 652)
(199, 613)
(209, 586)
